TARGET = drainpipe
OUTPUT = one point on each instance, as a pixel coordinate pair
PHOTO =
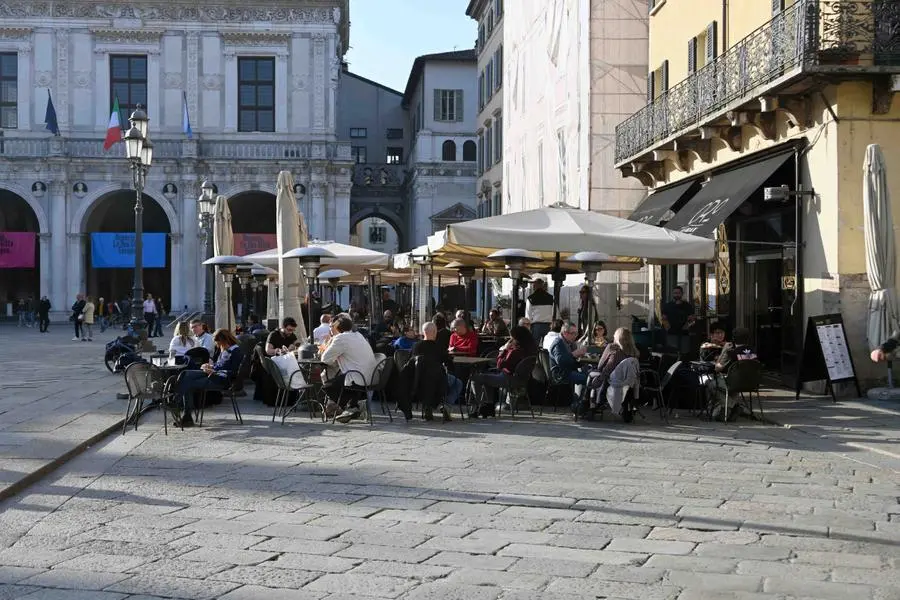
(798, 263)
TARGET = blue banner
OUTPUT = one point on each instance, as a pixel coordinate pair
(116, 250)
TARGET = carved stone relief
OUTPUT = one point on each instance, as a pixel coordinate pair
(173, 81)
(81, 79)
(212, 82)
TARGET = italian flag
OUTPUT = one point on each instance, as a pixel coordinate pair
(114, 131)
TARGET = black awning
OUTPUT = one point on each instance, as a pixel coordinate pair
(656, 205)
(723, 195)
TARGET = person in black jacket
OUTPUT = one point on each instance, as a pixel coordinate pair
(44, 313)
(878, 354)
(434, 355)
(77, 307)
(443, 332)
(211, 376)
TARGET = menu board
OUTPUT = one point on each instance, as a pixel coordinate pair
(826, 354)
(835, 351)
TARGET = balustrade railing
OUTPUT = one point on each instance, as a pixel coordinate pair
(810, 35)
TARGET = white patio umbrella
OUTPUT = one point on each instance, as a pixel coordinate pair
(292, 233)
(558, 231)
(881, 259)
(223, 245)
(351, 258)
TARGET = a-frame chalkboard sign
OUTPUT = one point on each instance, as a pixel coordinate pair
(826, 354)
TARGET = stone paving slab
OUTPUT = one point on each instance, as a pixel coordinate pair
(56, 398)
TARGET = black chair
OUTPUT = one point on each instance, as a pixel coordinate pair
(553, 388)
(516, 386)
(146, 383)
(284, 389)
(381, 375)
(743, 377)
(198, 356)
(430, 381)
(229, 390)
(650, 384)
(401, 357)
(354, 388)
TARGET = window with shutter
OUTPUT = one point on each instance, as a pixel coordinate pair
(777, 6)
(437, 105)
(692, 55)
(498, 68)
(711, 43)
(650, 90)
(458, 105)
(664, 77)
(481, 93)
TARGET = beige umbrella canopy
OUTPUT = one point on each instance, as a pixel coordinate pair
(292, 233)
(881, 257)
(223, 245)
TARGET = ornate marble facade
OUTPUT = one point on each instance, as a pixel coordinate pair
(192, 51)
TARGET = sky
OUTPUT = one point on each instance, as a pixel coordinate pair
(386, 36)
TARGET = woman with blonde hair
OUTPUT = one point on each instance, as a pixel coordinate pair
(87, 314)
(622, 347)
(182, 341)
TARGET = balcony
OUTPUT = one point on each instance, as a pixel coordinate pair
(848, 38)
(24, 147)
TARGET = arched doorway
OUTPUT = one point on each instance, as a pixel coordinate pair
(376, 233)
(20, 259)
(109, 273)
(253, 227)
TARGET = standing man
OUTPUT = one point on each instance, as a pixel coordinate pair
(150, 314)
(76, 317)
(680, 315)
(160, 311)
(388, 304)
(29, 310)
(44, 313)
(539, 309)
(102, 314)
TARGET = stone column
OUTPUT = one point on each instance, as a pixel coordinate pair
(59, 229)
(75, 257)
(317, 218)
(342, 211)
(179, 278)
(192, 272)
(45, 239)
(282, 82)
(319, 60)
(331, 232)
(231, 91)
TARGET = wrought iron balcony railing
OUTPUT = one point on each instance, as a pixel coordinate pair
(810, 36)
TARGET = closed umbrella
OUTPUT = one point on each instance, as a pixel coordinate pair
(881, 259)
(223, 245)
(292, 233)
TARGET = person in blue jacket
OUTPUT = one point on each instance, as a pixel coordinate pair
(211, 376)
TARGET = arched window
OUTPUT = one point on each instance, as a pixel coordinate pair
(470, 151)
(448, 151)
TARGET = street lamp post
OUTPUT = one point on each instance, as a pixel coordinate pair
(139, 152)
(206, 206)
(515, 261)
(310, 261)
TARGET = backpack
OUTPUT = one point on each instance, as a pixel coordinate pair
(126, 359)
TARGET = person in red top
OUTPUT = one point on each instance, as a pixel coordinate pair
(520, 347)
(463, 341)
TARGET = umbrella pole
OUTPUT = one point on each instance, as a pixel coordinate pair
(556, 285)
(484, 295)
(370, 279)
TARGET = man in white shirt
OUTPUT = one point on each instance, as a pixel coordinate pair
(321, 333)
(350, 351)
(553, 334)
(539, 309)
(202, 337)
(150, 315)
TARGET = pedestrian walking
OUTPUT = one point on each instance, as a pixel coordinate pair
(44, 307)
(150, 314)
(77, 317)
(103, 314)
(20, 313)
(29, 311)
(160, 311)
(88, 321)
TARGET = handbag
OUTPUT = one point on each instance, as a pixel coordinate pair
(287, 364)
(81, 317)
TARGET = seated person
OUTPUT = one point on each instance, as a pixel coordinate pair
(284, 339)
(525, 322)
(432, 351)
(710, 350)
(387, 327)
(553, 334)
(463, 341)
(520, 347)
(732, 352)
(202, 336)
(348, 351)
(211, 376)
(407, 340)
(253, 325)
(597, 341)
(495, 325)
(622, 347)
(182, 341)
(443, 332)
(323, 331)
(564, 355)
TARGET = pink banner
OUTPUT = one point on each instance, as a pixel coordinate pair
(248, 243)
(17, 250)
